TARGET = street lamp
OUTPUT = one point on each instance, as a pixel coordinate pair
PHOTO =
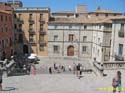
(78, 49)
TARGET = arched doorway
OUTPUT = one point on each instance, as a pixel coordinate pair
(25, 49)
(70, 51)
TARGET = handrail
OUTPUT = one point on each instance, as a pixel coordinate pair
(114, 65)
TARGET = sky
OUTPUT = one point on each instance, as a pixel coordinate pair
(58, 5)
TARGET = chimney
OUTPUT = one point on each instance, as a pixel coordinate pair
(81, 9)
(98, 8)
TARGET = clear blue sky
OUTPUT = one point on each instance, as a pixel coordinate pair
(57, 5)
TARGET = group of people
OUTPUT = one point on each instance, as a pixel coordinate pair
(56, 68)
(75, 68)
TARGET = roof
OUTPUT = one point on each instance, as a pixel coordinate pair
(118, 18)
(7, 12)
(104, 11)
(85, 20)
(64, 12)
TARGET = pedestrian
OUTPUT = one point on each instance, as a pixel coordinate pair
(116, 82)
(33, 69)
(55, 66)
(74, 68)
(50, 70)
(70, 68)
(1, 79)
(78, 70)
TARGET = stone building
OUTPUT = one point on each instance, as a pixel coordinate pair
(118, 39)
(30, 27)
(87, 35)
(6, 32)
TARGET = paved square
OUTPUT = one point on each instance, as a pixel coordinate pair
(59, 83)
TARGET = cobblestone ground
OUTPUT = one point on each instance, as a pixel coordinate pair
(60, 82)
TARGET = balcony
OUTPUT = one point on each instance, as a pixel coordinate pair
(107, 29)
(31, 21)
(119, 58)
(20, 20)
(33, 42)
(19, 41)
(42, 32)
(31, 31)
(19, 30)
(41, 21)
(114, 65)
(42, 42)
(121, 34)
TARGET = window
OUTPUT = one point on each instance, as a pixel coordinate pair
(41, 16)
(121, 31)
(20, 26)
(6, 43)
(15, 26)
(110, 41)
(19, 16)
(41, 47)
(84, 38)
(3, 44)
(31, 26)
(6, 29)
(14, 15)
(56, 49)
(41, 38)
(120, 51)
(2, 29)
(99, 40)
(10, 18)
(41, 26)
(71, 37)
(114, 14)
(1, 17)
(55, 37)
(6, 18)
(84, 49)
(122, 27)
(31, 19)
(93, 49)
(99, 26)
(98, 52)
(106, 15)
(30, 15)
(97, 14)
(20, 38)
(70, 27)
(32, 38)
(77, 15)
(85, 27)
(68, 15)
(10, 41)
(55, 26)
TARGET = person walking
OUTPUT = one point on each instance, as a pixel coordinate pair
(116, 82)
(50, 70)
(78, 70)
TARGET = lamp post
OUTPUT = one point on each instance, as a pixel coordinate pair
(77, 49)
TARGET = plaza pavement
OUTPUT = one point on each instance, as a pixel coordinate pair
(60, 82)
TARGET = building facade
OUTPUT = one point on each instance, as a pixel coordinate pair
(30, 27)
(87, 35)
(6, 32)
(118, 39)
